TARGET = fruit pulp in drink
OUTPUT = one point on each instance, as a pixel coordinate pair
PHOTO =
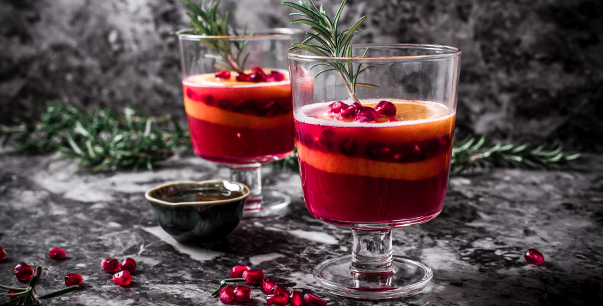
(374, 173)
(237, 122)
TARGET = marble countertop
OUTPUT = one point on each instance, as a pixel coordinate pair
(488, 222)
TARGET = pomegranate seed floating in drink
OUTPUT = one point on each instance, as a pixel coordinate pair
(122, 278)
(128, 264)
(57, 253)
(254, 276)
(224, 74)
(534, 257)
(110, 265)
(73, 279)
(227, 294)
(237, 272)
(23, 272)
(385, 108)
(2, 254)
(242, 293)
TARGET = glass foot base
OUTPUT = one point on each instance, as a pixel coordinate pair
(408, 277)
(270, 203)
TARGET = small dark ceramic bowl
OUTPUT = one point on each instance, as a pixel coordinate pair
(198, 212)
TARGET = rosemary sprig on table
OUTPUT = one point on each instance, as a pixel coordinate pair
(29, 296)
(205, 21)
(100, 138)
(332, 43)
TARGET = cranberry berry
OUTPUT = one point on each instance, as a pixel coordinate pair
(73, 279)
(237, 272)
(110, 265)
(57, 253)
(280, 300)
(2, 254)
(296, 299)
(13, 292)
(268, 285)
(385, 108)
(128, 264)
(223, 74)
(23, 272)
(122, 278)
(227, 294)
(253, 276)
(242, 293)
(590, 288)
(314, 301)
(534, 257)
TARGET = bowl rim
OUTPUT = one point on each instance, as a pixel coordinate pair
(147, 195)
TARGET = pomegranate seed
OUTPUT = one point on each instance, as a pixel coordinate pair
(223, 74)
(237, 272)
(314, 301)
(110, 265)
(350, 111)
(2, 254)
(122, 278)
(296, 299)
(534, 257)
(260, 72)
(253, 276)
(275, 76)
(336, 107)
(385, 108)
(280, 300)
(226, 294)
(242, 293)
(365, 114)
(128, 264)
(13, 297)
(23, 272)
(257, 77)
(57, 253)
(242, 77)
(590, 288)
(280, 290)
(73, 279)
(268, 285)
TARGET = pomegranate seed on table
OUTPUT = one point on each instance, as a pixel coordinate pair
(296, 299)
(253, 276)
(350, 111)
(242, 293)
(385, 108)
(534, 257)
(268, 285)
(23, 272)
(57, 253)
(13, 297)
(237, 272)
(590, 288)
(280, 300)
(280, 290)
(110, 265)
(128, 264)
(2, 254)
(336, 107)
(223, 74)
(226, 294)
(365, 114)
(122, 278)
(314, 301)
(73, 279)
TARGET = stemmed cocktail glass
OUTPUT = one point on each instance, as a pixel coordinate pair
(240, 119)
(377, 165)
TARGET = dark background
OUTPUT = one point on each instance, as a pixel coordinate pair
(530, 68)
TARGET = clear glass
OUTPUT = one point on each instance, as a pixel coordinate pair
(241, 124)
(373, 177)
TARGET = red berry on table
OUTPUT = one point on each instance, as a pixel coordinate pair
(237, 272)
(122, 278)
(534, 257)
(73, 279)
(296, 299)
(11, 292)
(280, 290)
(268, 285)
(590, 288)
(223, 74)
(227, 294)
(2, 254)
(110, 265)
(253, 276)
(242, 293)
(280, 300)
(314, 301)
(385, 108)
(57, 253)
(23, 272)
(128, 264)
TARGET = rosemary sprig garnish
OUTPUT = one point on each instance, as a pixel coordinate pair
(332, 43)
(205, 21)
(100, 138)
(29, 296)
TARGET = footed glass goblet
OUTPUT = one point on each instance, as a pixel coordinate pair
(375, 156)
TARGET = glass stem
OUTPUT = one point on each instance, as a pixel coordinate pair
(372, 251)
(251, 176)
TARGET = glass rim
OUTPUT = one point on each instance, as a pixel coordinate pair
(449, 52)
(276, 33)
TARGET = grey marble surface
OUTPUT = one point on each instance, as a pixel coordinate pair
(488, 222)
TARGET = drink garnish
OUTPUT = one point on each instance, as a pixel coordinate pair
(332, 43)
